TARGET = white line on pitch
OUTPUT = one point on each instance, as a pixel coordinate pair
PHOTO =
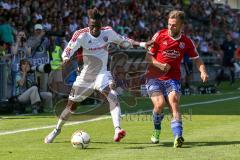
(107, 117)
(52, 126)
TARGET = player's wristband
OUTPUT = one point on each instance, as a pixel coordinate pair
(142, 44)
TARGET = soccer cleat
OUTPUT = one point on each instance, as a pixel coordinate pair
(119, 134)
(155, 136)
(49, 138)
(178, 142)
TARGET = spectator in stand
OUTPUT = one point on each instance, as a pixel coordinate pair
(27, 90)
(19, 51)
(6, 32)
(39, 44)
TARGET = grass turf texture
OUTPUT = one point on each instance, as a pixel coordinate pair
(211, 131)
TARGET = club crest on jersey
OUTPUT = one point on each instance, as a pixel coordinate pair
(90, 41)
(105, 38)
(181, 45)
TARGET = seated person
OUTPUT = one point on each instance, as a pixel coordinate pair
(26, 91)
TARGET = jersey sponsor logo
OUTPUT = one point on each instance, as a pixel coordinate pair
(171, 54)
(97, 48)
(182, 45)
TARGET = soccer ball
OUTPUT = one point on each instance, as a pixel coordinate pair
(80, 139)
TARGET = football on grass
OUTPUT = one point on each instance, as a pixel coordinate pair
(80, 139)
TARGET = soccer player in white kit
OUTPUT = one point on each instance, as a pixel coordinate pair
(93, 42)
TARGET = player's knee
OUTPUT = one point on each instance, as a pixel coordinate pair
(159, 104)
(157, 109)
(72, 106)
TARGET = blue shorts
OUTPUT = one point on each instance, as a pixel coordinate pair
(163, 86)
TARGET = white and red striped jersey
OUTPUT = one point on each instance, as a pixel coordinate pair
(94, 49)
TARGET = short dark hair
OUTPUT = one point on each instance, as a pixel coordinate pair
(94, 14)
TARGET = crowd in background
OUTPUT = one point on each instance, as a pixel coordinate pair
(31, 29)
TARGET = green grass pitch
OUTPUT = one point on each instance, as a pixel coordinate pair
(211, 131)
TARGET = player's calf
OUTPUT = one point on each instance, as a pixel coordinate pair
(177, 129)
(157, 119)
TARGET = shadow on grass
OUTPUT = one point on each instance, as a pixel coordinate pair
(144, 145)
(123, 143)
(202, 144)
(137, 145)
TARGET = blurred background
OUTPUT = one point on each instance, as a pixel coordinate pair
(39, 30)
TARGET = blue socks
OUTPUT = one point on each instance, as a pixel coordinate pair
(157, 119)
(177, 128)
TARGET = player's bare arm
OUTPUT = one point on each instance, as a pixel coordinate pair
(164, 67)
(202, 69)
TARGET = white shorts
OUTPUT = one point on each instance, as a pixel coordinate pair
(84, 85)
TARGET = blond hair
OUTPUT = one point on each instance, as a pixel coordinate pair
(180, 15)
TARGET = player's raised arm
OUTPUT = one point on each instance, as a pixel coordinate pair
(73, 45)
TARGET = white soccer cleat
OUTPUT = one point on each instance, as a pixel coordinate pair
(49, 138)
(119, 134)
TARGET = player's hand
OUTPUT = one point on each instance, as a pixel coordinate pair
(164, 67)
(149, 44)
(66, 61)
(204, 76)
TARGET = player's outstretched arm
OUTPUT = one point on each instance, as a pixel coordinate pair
(141, 44)
(125, 42)
(202, 69)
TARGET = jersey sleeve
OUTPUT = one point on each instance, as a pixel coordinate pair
(154, 48)
(117, 38)
(192, 50)
(73, 45)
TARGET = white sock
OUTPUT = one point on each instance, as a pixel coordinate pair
(60, 124)
(115, 109)
(115, 113)
(66, 113)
